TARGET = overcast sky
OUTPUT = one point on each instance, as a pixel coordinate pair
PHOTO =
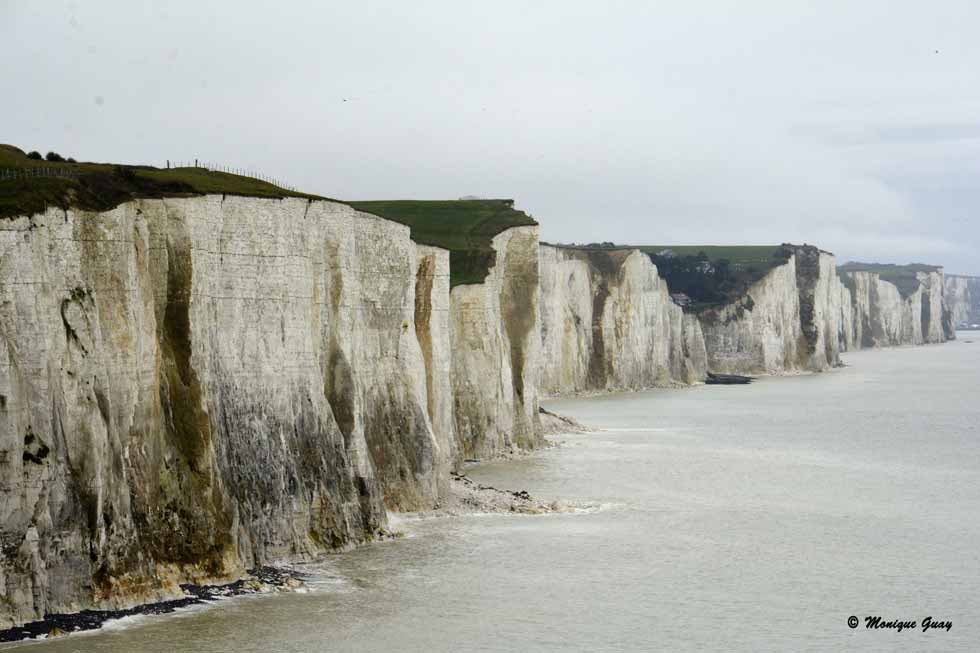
(851, 125)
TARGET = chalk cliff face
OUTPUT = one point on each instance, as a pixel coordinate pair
(495, 350)
(882, 316)
(790, 320)
(608, 323)
(190, 387)
(963, 297)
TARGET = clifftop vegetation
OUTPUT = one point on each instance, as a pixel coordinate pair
(709, 275)
(715, 274)
(464, 227)
(103, 186)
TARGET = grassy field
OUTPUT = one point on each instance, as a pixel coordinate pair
(903, 276)
(464, 227)
(102, 186)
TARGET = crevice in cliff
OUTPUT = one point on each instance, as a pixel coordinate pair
(518, 298)
(187, 418)
(597, 355)
(338, 381)
(925, 312)
(423, 318)
(807, 274)
(184, 516)
(78, 296)
(339, 391)
(607, 269)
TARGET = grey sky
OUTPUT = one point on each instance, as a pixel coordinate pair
(834, 123)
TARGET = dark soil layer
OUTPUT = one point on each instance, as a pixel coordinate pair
(59, 624)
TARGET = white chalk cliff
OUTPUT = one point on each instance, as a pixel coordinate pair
(882, 315)
(191, 387)
(788, 321)
(495, 349)
(608, 323)
(963, 296)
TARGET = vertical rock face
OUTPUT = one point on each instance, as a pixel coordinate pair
(190, 387)
(495, 348)
(432, 327)
(881, 315)
(963, 297)
(790, 320)
(608, 323)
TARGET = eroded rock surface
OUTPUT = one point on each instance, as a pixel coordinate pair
(882, 316)
(788, 321)
(192, 387)
(608, 323)
(495, 351)
(963, 297)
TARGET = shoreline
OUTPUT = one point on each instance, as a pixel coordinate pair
(466, 497)
(261, 580)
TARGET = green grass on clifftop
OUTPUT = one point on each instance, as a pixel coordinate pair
(714, 275)
(464, 227)
(761, 255)
(103, 186)
(902, 276)
(710, 275)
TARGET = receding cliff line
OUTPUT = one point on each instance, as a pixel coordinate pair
(599, 333)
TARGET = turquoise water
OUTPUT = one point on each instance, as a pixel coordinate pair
(747, 518)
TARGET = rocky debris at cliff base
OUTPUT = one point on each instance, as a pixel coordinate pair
(555, 424)
(727, 379)
(259, 580)
(512, 452)
(468, 496)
